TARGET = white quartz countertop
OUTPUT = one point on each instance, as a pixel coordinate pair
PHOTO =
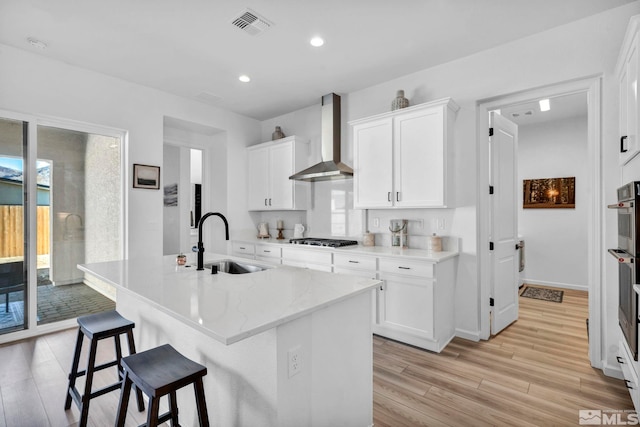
(418, 254)
(228, 307)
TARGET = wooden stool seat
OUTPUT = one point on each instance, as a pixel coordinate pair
(97, 327)
(158, 372)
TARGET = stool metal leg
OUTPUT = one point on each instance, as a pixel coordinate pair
(132, 350)
(74, 370)
(125, 391)
(203, 415)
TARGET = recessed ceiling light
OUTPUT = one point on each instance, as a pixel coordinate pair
(244, 78)
(544, 105)
(316, 41)
(37, 43)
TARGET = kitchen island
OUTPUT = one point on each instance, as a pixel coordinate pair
(284, 347)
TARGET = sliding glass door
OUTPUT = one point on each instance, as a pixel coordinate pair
(72, 177)
(13, 247)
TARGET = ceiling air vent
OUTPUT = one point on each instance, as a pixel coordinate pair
(251, 22)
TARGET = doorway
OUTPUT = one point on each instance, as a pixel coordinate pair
(591, 88)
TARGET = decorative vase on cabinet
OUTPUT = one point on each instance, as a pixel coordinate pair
(400, 101)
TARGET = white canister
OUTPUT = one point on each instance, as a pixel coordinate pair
(369, 239)
(298, 231)
(434, 243)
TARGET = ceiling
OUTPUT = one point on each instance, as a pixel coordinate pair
(190, 47)
(561, 108)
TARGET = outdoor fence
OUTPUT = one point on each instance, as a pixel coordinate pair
(12, 231)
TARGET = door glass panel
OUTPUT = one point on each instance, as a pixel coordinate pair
(79, 219)
(13, 283)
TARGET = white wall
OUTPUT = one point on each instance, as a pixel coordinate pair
(33, 84)
(584, 48)
(556, 240)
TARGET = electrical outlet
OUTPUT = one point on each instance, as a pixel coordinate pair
(420, 224)
(440, 223)
(295, 362)
(376, 222)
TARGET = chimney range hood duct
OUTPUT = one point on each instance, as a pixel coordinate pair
(331, 167)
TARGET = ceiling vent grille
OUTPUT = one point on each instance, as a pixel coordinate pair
(251, 22)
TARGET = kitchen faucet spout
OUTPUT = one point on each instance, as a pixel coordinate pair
(200, 245)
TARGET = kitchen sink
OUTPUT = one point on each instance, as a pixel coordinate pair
(235, 267)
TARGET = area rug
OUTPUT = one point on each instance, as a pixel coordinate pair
(543, 294)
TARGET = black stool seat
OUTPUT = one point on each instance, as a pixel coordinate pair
(158, 372)
(97, 327)
(103, 325)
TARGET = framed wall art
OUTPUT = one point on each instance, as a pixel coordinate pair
(145, 176)
(549, 193)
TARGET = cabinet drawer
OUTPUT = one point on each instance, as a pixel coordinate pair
(355, 261)
(354, 272)
(629, 372)
(243, 249)
(267, 251)
(406, 268)
(307, 256)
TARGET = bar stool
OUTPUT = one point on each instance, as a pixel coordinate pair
(97, 327)
(158, 372)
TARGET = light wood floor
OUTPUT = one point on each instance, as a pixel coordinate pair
(534, 373)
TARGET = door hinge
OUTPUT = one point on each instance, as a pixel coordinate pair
(490, 246)
(491, 302)
(490, 131)
(491, 189)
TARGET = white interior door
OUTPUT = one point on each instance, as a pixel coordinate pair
(503, 145)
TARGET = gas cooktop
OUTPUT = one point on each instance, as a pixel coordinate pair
(333, 243)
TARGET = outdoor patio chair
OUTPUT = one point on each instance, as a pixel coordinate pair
(11, 280)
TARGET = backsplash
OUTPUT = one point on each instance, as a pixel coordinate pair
(331, 214)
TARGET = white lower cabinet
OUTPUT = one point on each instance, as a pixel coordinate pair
(415, 304)
(629, 370)
(270, 253)
(243, 249)
(360, 266)
(315, 259)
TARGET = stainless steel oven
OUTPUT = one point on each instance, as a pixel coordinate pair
(627, 254)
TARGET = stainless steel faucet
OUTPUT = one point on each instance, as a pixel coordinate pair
(200, 245)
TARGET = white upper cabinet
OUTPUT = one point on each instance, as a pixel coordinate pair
(404, 159)
(270, 166)
(628, 72)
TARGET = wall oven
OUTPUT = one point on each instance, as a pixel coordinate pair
(627, 254)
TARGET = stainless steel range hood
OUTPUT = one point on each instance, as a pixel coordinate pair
(331, 167)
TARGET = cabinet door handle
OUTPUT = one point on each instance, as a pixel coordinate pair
(405, 268)
(389, 196)
(354, 262)
(619, 359)
(266, 251)
(626, 383)
(397, 196)
(243, 248)
(265, 202)
(622, 139)
(269, 202)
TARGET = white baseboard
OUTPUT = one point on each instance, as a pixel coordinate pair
(468, 335)
(555, 284)
(612, 370)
